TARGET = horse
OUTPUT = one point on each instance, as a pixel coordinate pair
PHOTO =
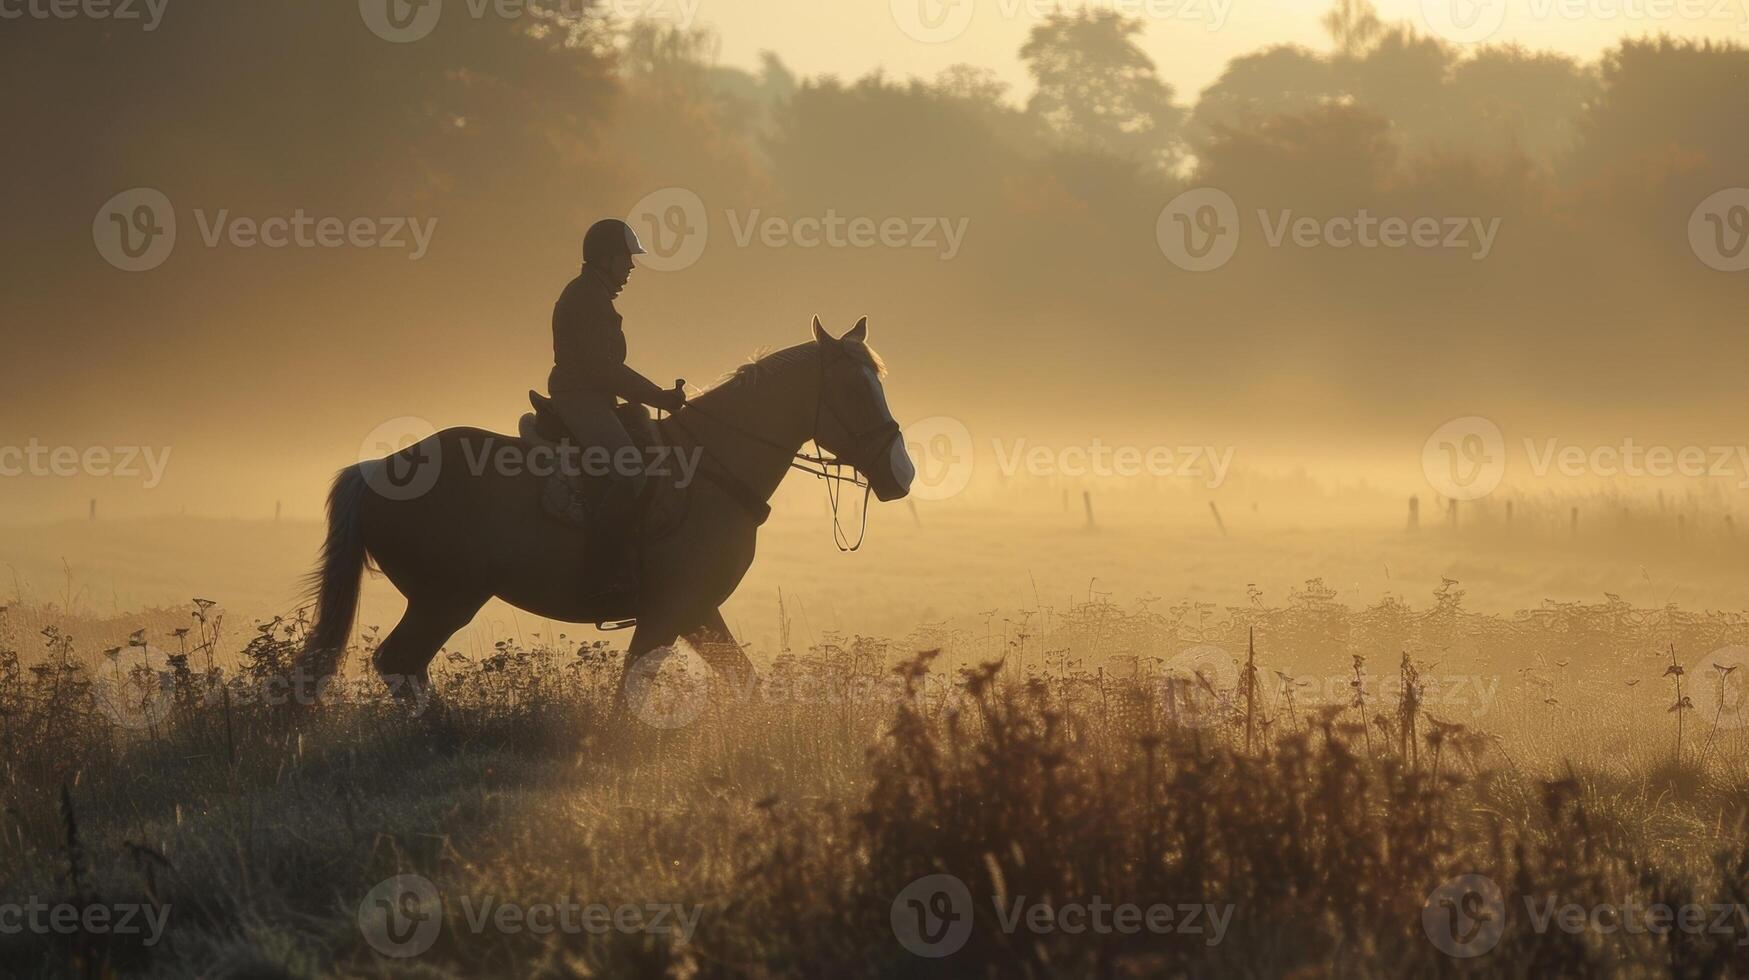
(456, 519)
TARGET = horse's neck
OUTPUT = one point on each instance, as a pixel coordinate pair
(753, 427)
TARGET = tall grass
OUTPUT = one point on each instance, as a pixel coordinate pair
(1061, 757)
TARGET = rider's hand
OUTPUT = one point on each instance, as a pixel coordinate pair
(672, 400)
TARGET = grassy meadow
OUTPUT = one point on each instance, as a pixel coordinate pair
(984, 747)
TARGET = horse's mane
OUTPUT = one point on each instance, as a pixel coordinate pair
(766, 361)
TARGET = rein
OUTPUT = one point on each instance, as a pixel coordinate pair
(816, 464)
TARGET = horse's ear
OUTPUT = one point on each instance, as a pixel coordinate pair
(858, 333)
(820, 333)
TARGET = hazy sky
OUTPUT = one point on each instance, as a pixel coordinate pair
(852, 37)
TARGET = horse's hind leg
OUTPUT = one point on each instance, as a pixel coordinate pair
(404, 658)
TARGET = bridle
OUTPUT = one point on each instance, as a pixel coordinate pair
(866, 447)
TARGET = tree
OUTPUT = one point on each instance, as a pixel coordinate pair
(1098, 89)
(1354, 25)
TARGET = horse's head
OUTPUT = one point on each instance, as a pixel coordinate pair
(855, 424)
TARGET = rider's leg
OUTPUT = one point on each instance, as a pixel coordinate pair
(612, 480)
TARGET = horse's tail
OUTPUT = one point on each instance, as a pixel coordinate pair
(335, 585)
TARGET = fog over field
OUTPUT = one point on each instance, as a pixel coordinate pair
(1271, 495)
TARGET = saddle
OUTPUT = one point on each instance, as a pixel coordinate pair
(544, 428)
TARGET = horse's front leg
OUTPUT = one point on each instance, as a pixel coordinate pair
(638, 694)
(713, 641)
(650, 698)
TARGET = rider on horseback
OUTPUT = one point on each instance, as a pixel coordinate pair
(589, 373)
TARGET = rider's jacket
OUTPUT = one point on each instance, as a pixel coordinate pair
(589, 346)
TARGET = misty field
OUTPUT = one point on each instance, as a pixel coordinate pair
(1308, 787)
